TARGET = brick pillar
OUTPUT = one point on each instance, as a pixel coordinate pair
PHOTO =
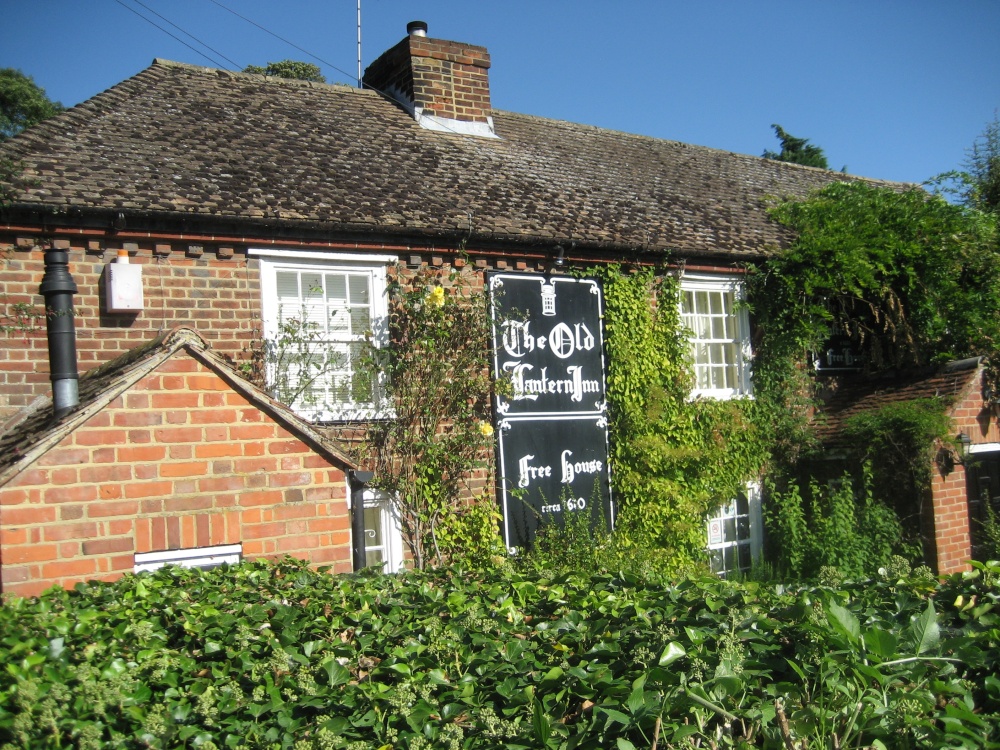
(950, 504)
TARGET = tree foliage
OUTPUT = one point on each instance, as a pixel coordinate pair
(797, 150)
(296, 69)
(982, 165)
(22, 103)
(910, 278)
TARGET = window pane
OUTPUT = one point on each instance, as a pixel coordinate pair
(729, 526)
(336, 287)
(361, 321)
(716, 302)
(701, 303)
(717, 561)
(287, 286)
(373, 527)
(359, 289)
(743, 528)
(339, 320)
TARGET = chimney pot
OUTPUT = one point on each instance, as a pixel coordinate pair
(416, 28)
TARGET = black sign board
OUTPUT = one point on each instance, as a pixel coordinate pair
(838, 355)
(548, 342)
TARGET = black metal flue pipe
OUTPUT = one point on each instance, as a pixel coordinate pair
(358, 481)
(58, 288)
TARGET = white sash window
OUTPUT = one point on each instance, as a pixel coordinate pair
(318, 311)
(719, 334)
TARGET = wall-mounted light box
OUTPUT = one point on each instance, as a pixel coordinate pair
(123, 285)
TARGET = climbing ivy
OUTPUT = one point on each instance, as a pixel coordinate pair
(674, 459)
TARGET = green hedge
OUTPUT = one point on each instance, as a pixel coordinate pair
(280, 656)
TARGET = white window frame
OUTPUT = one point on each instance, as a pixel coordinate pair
(717, 284)
(392, 530)
(375, 265)
(199, 557)
(716, 525)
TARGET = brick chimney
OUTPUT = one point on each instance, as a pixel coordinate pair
(444, 85)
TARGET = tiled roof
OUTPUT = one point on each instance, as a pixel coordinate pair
(34, 430)
(947, 383)
(194, 147)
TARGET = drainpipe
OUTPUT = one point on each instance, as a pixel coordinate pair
(58, 289)
(359, 479)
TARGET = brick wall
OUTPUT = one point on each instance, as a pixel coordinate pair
(179, 461)
(952, 533)
(213, 289)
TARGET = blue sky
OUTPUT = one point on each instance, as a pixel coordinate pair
(893, 89)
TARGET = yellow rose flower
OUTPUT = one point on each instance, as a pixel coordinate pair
(436, 296)
(486, 429)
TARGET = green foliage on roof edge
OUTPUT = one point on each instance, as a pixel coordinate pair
(912, 281)
(276, 655)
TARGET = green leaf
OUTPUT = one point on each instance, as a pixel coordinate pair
(540, 723)
(843, 620)
(926, 633)
(671, 653)
(624, 744)
(615, 716)
(335, 672)
(881, 643)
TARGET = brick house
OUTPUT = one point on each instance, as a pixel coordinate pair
(168, 450)
(965, 475)
(232, 195)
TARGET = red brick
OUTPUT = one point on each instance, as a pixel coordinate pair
(288, 446)
(217, 450)
(217, 484)
(65, 457)
(76, 568)
(92, 438)
(263, 531)
(105, 473)
(13, 536)
(80, 493)
(30, 553)
(65, 531)
(297, 542)
(184, 504)
(142, 454)
(266, 497)
(188, 469)
(148, 489)
(251, 432)
(178, 435)
(136, 418)
(108, 546)
(292, 479)
(117, 508)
